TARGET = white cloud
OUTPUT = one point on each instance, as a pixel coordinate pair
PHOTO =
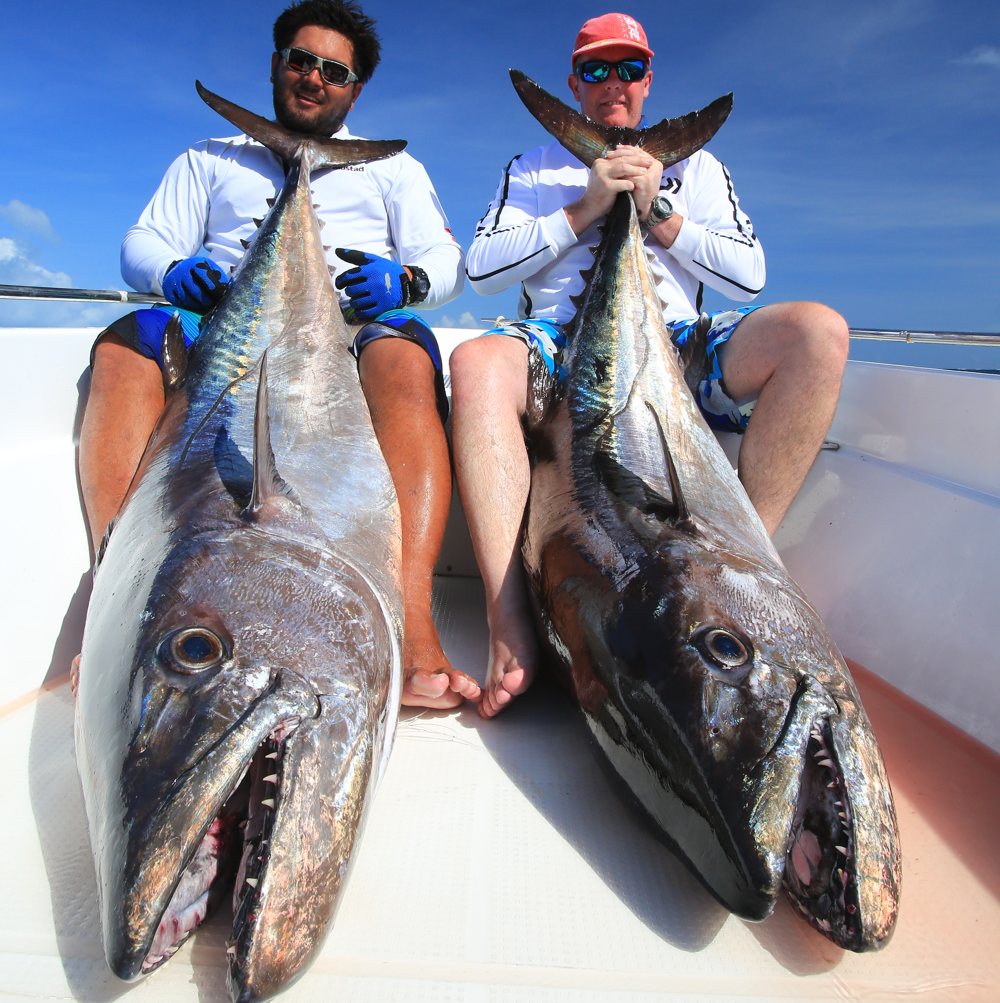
(17, 269)
(22, 216)
(982, 55)
(466, 319)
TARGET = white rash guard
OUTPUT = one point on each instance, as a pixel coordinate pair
(210, 195)
(525, 237)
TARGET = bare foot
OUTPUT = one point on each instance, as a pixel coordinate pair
(429, 680)
(74, 674)
(512, 667)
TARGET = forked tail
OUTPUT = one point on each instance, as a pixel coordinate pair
(669, 141)
(288, 145)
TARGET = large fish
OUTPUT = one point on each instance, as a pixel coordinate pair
(705, 675)
(241, 658)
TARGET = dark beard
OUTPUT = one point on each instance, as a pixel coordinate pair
(326, 125)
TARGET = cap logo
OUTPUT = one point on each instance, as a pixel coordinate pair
(630, 29)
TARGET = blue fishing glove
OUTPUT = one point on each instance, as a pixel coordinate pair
(374, 286)
(195, 283)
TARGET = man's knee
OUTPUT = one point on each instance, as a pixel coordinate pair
(394, 363)
(827, 337)
(118, 368)
(814, 335)
(490, 365)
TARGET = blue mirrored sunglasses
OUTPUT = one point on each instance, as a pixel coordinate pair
(596, 71)
(303, 61)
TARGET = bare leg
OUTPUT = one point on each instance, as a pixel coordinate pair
(489, 383)
(398, 380)
(792, 356)
(126, 398)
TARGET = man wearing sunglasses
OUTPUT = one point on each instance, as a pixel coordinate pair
(782, 362)
(396, 252)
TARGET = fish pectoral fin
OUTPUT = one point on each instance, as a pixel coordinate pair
(267, 482)
(630, 488)
(683, 513)
(173, 352)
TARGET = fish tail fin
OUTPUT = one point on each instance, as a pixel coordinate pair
(288, 145)
(676, 139)
(670, 141)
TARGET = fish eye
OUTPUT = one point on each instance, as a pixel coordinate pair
(192, 650)
(724, 649)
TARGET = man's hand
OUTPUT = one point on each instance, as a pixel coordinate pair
(195, 283)
(624, 169)
(374, 286)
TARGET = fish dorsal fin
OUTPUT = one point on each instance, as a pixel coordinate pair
(173, 352)
(286, 144)
(267, 482)
(670, 141)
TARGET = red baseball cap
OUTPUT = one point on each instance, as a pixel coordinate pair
(608, 31)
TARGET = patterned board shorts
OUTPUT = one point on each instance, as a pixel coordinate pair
(143, 331)
(548, 341)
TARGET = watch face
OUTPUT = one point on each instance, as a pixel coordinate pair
(662, 207)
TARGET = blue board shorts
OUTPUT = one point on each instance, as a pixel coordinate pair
(142, 330)
(548, 341)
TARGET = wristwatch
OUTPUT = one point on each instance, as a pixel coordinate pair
(660, 208)
(417, 288)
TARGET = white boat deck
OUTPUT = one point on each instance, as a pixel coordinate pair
(498, 865)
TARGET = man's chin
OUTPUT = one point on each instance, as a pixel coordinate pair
(310, 125)
(310, 119)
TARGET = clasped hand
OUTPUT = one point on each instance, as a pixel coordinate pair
(623, 169)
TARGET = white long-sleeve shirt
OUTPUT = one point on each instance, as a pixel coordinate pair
(525, 237)
(210, 195)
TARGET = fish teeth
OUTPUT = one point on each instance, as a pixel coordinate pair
(271, 755)
(268, 802)
(252, 882)
(272, 779)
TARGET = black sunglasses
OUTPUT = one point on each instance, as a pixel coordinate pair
(596, 71)
(303, 61)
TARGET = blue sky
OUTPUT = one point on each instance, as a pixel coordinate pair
(864, 142)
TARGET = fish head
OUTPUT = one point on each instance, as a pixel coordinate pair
(735, 722)
(224, 724)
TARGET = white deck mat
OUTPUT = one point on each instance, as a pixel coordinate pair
(498, 865)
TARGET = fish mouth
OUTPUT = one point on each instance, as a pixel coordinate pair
(265, 776)
(821, 876)
(232, 854)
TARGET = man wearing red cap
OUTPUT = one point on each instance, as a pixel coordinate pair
(773, 371)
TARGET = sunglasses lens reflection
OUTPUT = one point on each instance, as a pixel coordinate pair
(596, 71)
(330, 70)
